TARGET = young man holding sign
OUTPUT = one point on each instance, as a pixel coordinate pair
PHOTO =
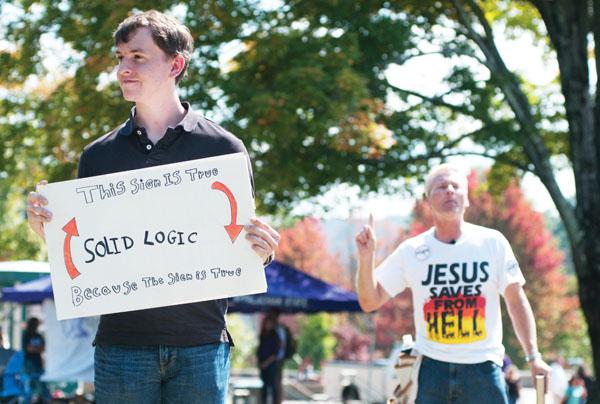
(175, 353)
(456, 272)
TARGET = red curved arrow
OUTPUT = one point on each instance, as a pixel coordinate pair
(71, 229)
(233, 229)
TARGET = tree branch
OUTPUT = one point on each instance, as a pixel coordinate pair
(403, 59)
(446, 151)
(436, 100)
(443, 153)
(489, 34)
(459, 139)
(532, 142)
(497, 157)
(466, 23)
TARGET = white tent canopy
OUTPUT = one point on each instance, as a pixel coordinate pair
(25, 266)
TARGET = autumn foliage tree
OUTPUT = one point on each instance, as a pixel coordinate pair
(395, 318)
(304, 246)
(555, 305)
(352, 344)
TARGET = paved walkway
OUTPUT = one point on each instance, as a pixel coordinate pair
(527, 397)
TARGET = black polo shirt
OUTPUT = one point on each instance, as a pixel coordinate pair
(128, 148)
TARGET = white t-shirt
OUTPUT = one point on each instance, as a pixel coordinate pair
(455, 289)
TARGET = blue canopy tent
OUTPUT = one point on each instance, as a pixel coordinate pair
(29, 292)
(293, 291)
(288, 289)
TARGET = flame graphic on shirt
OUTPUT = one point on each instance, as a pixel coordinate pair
(455, 320)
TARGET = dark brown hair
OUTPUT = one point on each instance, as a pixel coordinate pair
(168, 34)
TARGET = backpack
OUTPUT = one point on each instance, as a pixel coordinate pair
(291, 345)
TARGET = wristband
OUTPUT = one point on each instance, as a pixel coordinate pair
(270, 259)
(533, 356)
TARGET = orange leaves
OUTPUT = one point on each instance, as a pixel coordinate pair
(362, 134)
(305, 247)
(269, 111)
(541, 261)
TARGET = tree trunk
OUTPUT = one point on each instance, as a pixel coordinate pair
(568, 24)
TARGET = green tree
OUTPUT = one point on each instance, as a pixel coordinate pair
(313, 328)
(243, 354)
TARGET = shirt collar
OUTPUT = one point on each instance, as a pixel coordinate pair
(189, 121)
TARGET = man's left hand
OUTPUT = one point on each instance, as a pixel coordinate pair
(539, 367)
(264, 238)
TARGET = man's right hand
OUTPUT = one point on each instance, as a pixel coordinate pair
(366, 241)
(37, 214)
(371, 294)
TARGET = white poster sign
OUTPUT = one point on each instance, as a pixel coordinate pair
(153, 237)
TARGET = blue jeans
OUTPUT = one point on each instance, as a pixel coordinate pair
(443, 382)
(271, 380)
(161, 374)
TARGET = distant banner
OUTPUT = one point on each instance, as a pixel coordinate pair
(153, 237)
(69, 350)
(281, 302)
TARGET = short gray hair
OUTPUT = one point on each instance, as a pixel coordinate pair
(442, 169)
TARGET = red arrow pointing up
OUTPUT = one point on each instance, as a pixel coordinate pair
(71, 229)
(233, 229)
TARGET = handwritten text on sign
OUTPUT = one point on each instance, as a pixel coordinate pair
(153, 237)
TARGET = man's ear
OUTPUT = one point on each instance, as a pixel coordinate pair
(426, 200)
(178, 65)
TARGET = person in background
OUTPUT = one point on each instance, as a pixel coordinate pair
(576, 393)
(267, 352)
(33, 345)
(5, 355)
(283, 335)
(350, 393)
(306, 371)
(558, 382)
(513, 384)
(588, 380)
